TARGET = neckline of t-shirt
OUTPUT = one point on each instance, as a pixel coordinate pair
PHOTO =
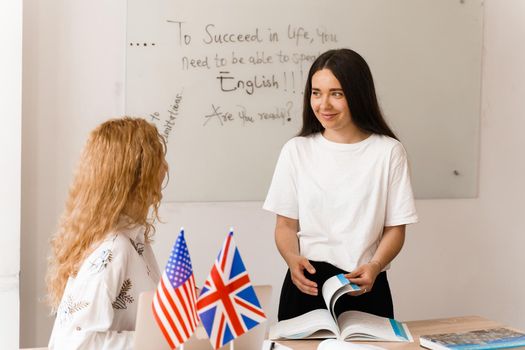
(342, 146)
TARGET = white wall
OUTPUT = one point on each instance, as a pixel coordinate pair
(74, 54)
(464, 257)
(10, 158)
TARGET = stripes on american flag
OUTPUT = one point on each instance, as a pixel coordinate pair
(228, 305)
(174, 303)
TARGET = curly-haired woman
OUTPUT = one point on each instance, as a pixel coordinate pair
(101, 259)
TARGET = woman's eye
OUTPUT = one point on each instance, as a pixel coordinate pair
(338, 94)
(316, 93)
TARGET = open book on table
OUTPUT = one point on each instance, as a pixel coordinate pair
(349, 326)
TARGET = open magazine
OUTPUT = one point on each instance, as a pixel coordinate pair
(349, 326)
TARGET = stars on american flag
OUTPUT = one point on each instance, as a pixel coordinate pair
(174, 301)
(179, 267)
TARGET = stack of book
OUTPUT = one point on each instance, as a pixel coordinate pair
(491, 338)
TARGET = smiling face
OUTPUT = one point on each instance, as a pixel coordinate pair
(329, 103)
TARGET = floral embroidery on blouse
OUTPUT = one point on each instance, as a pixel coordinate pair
(123, 298)
(97, 309)
(101, 261)
(139, 247)
(68, 307)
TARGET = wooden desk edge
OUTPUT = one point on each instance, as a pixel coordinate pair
(417, 328)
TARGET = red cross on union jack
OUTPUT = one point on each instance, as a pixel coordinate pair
(227, 305)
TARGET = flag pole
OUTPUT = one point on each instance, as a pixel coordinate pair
(181, 347)
(231, 345)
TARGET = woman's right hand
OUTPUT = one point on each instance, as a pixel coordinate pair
(288, 245)
(297, 265)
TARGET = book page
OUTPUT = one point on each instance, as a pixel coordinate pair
(314, 324)
(334, 287)
(357, 325)
(334, 344)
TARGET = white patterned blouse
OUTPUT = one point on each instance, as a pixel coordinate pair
(99, 306)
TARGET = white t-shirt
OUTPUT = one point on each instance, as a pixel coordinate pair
(343, 195)
(99, 306)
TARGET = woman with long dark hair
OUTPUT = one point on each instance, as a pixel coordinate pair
(341, 191)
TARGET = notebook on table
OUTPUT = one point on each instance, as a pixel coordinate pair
(149, 337)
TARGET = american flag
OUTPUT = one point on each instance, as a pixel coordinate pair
(174, 302)
(227, 304)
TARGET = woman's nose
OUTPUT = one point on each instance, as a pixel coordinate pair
(325, 102)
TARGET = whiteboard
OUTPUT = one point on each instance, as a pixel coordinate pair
(223, 82)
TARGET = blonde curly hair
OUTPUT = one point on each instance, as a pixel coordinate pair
(120, 173)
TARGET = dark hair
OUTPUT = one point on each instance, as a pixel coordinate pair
(353, 73)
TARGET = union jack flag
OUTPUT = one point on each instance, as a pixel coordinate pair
(174, 301)
(227, 304)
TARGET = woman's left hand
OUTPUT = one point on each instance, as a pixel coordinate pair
(364, 276)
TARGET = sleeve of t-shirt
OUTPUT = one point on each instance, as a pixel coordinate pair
(400, 208)
(282, 195)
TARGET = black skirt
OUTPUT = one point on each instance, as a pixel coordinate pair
(293, 302)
